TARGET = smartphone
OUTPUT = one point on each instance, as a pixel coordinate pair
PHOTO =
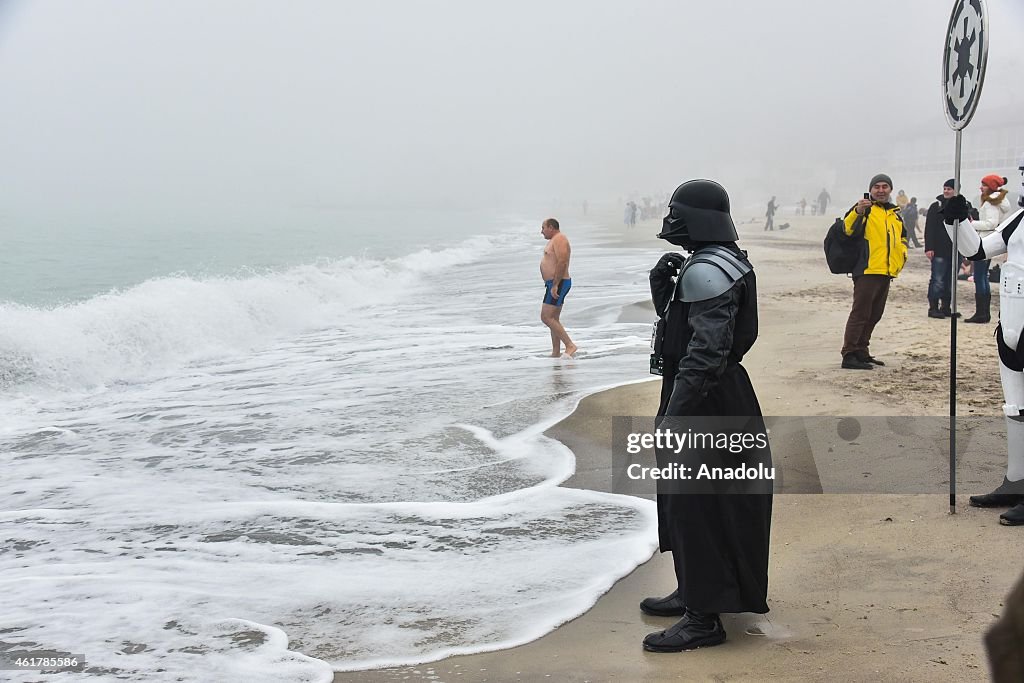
(867, 195)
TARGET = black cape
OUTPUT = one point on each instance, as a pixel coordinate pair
(719, 542)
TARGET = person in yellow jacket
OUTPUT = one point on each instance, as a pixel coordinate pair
(885, 252)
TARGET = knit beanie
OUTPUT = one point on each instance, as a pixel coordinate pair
(993, 182)
(880, 178)
(951, 183)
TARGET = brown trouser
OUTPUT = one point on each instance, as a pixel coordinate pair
(869, 295)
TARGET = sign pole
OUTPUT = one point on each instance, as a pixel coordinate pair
(952, 341)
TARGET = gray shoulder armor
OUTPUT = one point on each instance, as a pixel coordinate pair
(708, 273)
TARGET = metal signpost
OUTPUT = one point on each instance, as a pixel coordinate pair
(963, 73)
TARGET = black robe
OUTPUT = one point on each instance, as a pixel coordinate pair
(719, 542)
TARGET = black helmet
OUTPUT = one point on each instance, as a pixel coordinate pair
(698, 212)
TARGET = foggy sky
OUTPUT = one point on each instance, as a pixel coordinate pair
(245, 103)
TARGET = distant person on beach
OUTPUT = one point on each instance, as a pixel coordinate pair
(909, 215)
(883, 258)
(1008, 238)
(647, 210)
(823, 199)
(719, 541)
(554, 269)
(630, 215)
(803, 206)
(902, 200)
(770, 214)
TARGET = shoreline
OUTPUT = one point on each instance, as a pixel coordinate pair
(882, 587)
(878, 586)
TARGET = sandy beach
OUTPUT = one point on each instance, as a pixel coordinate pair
(863, 587)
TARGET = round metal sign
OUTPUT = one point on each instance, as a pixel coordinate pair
(963, 65)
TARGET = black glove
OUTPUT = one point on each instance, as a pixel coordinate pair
(668, 265)
(956, 209)
(661, 279)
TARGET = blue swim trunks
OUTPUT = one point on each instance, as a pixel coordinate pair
(563, 289)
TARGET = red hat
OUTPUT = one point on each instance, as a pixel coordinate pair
(993, 182)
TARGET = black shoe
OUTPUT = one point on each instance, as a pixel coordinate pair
(947, 313)
(996, 500)
(935, 313)
(978, 318)
(852, 362)
(868, 358)
(1013, 517)
(669, 606)
(694, 630)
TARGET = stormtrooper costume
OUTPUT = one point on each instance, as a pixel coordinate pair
(1008, 238)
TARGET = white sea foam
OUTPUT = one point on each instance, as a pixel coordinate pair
(338, 466)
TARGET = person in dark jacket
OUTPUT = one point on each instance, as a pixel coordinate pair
(719, 540)
(939, 250)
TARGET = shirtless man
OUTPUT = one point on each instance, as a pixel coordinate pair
(554, 268)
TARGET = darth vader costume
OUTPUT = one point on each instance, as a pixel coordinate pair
(708, 309)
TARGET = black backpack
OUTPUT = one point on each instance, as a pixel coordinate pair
(843, 252)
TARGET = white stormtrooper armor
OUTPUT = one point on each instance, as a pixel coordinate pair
(1008, 239)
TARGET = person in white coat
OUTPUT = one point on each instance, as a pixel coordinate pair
(1007, 238)
(993, 209)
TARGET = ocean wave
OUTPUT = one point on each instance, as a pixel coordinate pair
(165, 323)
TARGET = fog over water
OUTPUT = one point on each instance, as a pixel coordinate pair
(231, 106)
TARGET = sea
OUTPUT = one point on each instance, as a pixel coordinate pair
(304, 442)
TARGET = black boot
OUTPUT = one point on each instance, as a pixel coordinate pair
(852, 361)
(933, 308)
(669, 606)
(982, 311)
(1013, 517)
(996, 500)
(1007, 494)
(694, 630)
